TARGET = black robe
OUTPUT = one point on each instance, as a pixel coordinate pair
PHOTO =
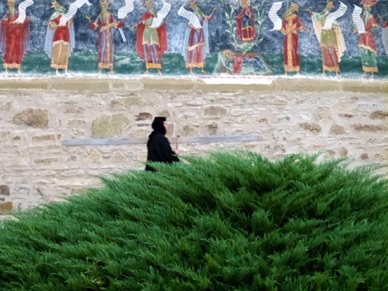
(159, 150)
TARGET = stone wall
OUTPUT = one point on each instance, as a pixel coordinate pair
(58, 134)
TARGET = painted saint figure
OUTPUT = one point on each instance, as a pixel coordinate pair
(14, 38)
(290, 26)
(245, 20)
(60, 39)
(105, 22)
(196, 41)
(331, 40)
(367, 41)
(151, 42)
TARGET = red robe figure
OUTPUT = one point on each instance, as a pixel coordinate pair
(367, 40)
(60, 39)
(290, 26)
(151, 43)
(14, 38)
(196, 41)
(246, 29)
(331, 40)
(105, 22)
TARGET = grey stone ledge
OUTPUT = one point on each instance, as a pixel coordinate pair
(188, 139)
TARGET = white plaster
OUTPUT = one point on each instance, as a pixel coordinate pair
(239, 81)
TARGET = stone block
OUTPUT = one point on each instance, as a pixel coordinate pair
(6, 207)
(5, 105)
(368, 127)
(46, 161)
(127, 102)
(32, 117)
(46, 137)
(322, 113)
(214, 111)
(307, 85)
(379, 114)
(337, 129)
(143, 116)
(4, 190)
(75, 110)
(22, 84)
(313, 127)
(364, 86)
(82, 85)
(76, 123)
(132, 85)
(109, 126)
(168, 84)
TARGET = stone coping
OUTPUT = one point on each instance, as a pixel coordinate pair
(105, 83)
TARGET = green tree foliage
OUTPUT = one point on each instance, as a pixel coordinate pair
(229, 221)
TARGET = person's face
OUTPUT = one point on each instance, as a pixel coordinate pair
(245, 3)
(55, 4)
(147, 3)
(104, 4)
(192, 4)
(11, 4)
(330, 5)
(166, 125)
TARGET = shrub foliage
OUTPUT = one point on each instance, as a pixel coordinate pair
(229, 221)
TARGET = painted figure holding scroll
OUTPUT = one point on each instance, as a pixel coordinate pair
(151, 42)
(14, 38)
(105, 22)
(367, 40)
(60, 39)
(290, 26)
(330, 36)
(196, 41)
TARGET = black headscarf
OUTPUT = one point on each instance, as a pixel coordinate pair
(158, 127)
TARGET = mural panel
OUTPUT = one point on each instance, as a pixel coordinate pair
(346, 38)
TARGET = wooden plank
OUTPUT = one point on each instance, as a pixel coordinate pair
(182, 140)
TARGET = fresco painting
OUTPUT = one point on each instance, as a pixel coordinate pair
(105, 24)
(14, 37)
(291, 24)
(329, 38)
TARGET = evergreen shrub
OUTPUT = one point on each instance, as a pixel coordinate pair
(228, 221)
